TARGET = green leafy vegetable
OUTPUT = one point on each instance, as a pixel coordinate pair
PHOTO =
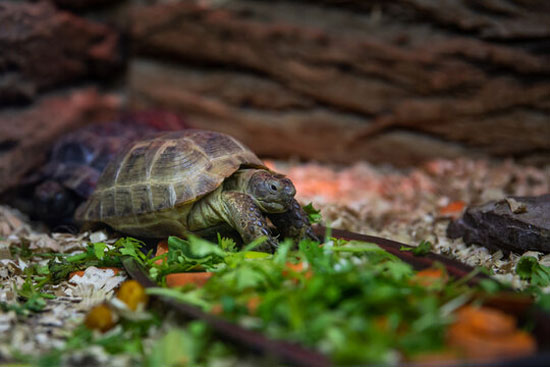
(490, 286)
(351, 300)
(424, 248)
(99, 250)
(34, 299)
(227, 244)
(543, 301)
(346, 295)
(528, 268)
(313, 214)
(97, 254)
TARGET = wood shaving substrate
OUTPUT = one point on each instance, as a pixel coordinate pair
(412, 205)
(39, 332)
(405, 205)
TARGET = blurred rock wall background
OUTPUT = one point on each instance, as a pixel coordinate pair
(334, 80)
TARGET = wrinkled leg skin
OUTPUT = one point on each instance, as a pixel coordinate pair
(248, 220)
(293, 223)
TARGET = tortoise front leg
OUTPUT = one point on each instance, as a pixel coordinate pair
(248, 220)
(293, 223)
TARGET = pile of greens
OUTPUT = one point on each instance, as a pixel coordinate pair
(351, 300)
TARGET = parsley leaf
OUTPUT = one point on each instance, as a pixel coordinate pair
(314, 215)
(424, 248)
(528, 268)
(99, 249)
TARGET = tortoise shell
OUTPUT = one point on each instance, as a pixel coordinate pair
(165, 171)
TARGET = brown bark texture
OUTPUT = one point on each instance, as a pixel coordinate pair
(400, 81)
(27, 133)
(47, 57)
(42, 47)
(83, 4)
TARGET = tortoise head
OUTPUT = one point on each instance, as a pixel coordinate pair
(272, 192)
(53, 202)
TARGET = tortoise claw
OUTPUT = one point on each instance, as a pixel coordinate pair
(311, 235)
(270, 245)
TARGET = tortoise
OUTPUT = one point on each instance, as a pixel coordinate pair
(76, 161)
(194, 181)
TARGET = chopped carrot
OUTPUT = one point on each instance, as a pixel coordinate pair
(485, 332)
(430, 276)
(101, 318)
(453, 209)
(252, 304)
(486, 320)
(132, 294)
(80, 273)
(296, 268)
(181, 279)
(162, 248)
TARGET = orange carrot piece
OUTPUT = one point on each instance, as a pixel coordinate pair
(486, 320)
(485, 332)
(428, 277)
(162, 248)
(296, 268)
(181, 279)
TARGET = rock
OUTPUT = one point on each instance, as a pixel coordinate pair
(83, 4)
(24, 140)
(43, 47)
(271, 120)
(516, 224)
(52, 192)
(400, 81)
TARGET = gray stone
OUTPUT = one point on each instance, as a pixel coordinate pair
(515, 224)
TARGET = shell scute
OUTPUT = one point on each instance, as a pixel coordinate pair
(142, 198)
(177, 162)
(123, 201)
(108, 207)
(214, 147)
(165, 171)
(134, 167)
(162, 196)
(94, 209)
(184, 191)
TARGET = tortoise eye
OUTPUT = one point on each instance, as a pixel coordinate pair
(273, 187)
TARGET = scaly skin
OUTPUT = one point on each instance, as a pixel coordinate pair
(247, 219)
(244, 201)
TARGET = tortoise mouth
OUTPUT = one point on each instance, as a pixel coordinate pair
(272, 207)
